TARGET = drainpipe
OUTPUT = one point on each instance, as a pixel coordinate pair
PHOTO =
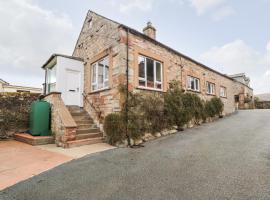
(127, 96)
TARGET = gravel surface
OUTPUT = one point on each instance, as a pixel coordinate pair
(226, 159)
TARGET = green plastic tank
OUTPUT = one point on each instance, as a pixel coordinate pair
(40, 118)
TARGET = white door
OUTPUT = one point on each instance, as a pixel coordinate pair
(73, 88)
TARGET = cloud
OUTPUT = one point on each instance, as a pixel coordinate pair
(219, 8)
(202, 6)
(237, 57)
(267, 73)
(127, 5)
(223, 13)
(28, 35)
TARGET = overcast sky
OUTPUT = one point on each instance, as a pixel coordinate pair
(231, 36)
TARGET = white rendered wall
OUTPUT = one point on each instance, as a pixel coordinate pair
(64, 64)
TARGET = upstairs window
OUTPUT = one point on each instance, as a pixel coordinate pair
(100, 74)
(223, 92)
(150, 73)
(193, 83)
(210, 88)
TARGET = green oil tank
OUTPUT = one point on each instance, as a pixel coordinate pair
(40, 118)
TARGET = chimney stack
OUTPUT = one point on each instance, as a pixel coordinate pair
(150, 30)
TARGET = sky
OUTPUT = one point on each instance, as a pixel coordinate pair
(231, 36)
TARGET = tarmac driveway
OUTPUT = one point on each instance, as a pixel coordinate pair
(227, 159)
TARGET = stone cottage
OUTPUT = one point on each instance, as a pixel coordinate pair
(106, 53)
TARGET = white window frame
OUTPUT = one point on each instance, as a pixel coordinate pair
(225, 92)
(212, 88)
(155, 74)
(189, 80)
(51, 86)
(95, 66)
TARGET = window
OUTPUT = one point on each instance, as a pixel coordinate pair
(193, 83)
(223, 92)
(150, 73)
(210, 88)
(100, 74)
(51, 79)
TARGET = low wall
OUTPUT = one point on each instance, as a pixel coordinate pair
(62, 124)
(15, 112)
(262, 105)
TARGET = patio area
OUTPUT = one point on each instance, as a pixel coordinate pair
(20, 161)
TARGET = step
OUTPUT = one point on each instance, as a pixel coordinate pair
(79, 118)
(86, 126)
(33, 140)
(88, 135)
(88, 130)
(83, 113)
(77, 143)
(85, 121)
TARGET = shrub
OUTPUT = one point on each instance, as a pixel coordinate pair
(174, 107)
(209, 109)
(214, 107)
(194, 106)
(152, 109)
(114, 128)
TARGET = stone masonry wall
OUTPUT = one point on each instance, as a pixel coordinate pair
(62, 124)
(176, 67)
(15, 111)
(100, 38)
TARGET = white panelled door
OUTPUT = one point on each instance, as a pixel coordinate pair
(73, 88)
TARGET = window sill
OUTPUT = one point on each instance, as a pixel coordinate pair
(210, 94)
(223, 97)
(195, 91)
(100, 90)
(150, 89)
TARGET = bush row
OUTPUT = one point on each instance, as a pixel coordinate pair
(153, 112)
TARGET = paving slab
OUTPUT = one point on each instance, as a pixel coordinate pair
(77, 152)
(20, 161)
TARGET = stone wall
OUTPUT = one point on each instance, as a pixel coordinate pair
(62, 124)
(100, 38)
(15, 111)
(262, 104)
(241, 92)
(177, 67)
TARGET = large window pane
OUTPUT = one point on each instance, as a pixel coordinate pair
(158, 71)
(100, 74)
(150, 72)
(94, 73)
(141, 67)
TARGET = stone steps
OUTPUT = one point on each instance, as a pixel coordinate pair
(87, 131)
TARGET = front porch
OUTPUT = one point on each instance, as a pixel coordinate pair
(71, 124)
